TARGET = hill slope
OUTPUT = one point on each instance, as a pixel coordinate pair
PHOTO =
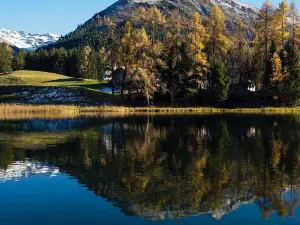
(32, 87)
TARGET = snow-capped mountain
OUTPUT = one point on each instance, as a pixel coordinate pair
(233, 9)
(25, 40)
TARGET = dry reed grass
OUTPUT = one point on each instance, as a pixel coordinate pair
(63, 111)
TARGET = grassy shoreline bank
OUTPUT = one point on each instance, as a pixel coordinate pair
(74, 109)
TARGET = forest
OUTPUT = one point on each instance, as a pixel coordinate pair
(179, 60)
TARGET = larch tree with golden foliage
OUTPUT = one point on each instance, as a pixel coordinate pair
(152, 20)
(277, 77)
(218, 42)
(128, 51)
(195, 46)
(283, 12)
(142, 71)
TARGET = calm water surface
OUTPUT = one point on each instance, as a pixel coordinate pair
(214, 169)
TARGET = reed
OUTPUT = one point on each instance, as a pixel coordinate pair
(77, 110)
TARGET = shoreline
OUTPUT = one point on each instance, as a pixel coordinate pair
(75, 109)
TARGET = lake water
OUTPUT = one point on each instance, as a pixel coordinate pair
(207, 169)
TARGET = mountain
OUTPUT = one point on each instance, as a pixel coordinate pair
(89, 32)
(233, 9)
(23, 40)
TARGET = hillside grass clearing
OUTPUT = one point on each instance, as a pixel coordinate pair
(34, 87)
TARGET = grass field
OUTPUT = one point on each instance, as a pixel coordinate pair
(37, 78)
(22, 86)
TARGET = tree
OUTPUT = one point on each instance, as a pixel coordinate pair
(293, 74)
(283, 12)
(142, 74)
(151, 19)
(112, 46)
(218, 46)
(174, 73)
(295, 29)
(6, 57)
(195, 46)
(92, 72)
(128, 51)
(218, 41)
(277, 77)
(240, 56)
(102, 61)
(74, 62)
(263, 30)
(60, 61)
(18, 62)
(220, 80)
(84, 61)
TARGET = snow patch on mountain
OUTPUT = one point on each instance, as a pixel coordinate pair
(236, 8)
(25, 40)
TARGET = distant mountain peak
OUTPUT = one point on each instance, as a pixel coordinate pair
(232, 8)
(23, 40)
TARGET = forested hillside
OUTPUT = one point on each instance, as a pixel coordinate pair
(166, 55)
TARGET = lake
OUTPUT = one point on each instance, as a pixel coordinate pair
(196, 169)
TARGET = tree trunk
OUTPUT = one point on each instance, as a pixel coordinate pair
(123, 82)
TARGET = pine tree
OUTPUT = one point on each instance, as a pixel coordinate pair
(240, 56)
(218, 46)
(268, 75)
(74, 62)
(293, 72)
(92, 72)
(18, 62)
(220, 80)
(84, 61)
(174, 72)
(102, 62)
(6, 57)
(113, 47)
(60, 58)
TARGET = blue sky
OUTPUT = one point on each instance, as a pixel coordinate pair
(58, 16)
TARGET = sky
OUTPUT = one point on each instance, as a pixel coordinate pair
(59, 16)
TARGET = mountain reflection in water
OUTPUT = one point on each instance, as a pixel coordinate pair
(165, 167)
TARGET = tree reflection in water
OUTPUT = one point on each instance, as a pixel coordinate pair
(159, 167)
